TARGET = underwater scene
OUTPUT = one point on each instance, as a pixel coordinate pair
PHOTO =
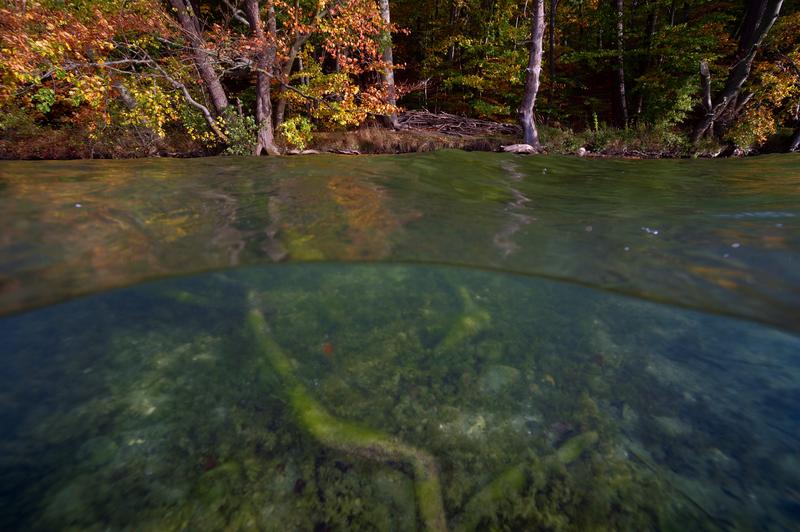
(393, 397)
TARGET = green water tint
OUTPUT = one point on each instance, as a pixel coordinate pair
(358, 397)
(715, 235)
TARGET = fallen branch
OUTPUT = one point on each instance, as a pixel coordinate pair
(345, 436)
(454, 125)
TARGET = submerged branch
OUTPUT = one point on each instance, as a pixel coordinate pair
(349, 437)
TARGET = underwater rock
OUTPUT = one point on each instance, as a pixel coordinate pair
(672, 426)
(559, 432)
(497, 378)
(629, 416)
(573, 448)
(465, 425)
(524, 149)
(721, 461)
(476, 427)
(98, 452)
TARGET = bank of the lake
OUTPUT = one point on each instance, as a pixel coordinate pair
(32, 142)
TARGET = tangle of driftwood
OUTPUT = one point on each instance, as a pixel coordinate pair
(455, 125)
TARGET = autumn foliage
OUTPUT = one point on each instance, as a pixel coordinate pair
(144, 77)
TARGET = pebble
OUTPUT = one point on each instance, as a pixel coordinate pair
(497, 378)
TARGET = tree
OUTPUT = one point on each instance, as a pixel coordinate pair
(551, 56)
(388, 60)
(759, 16)
(526, 110)
(184, 11)
(622, 104)
(266, 50)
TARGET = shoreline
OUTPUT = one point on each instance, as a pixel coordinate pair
(605, 143)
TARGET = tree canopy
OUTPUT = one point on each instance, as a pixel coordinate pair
(246, 76)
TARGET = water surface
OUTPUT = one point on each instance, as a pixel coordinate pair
(720, 235)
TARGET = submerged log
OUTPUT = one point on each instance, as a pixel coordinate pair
(469, 324)
(345, 436)
(514, 479)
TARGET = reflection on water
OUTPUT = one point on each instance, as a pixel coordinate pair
(541, 406)
(722, 236)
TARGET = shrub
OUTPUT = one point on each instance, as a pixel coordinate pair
(296, 131)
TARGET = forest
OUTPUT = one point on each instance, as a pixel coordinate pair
(653, 78)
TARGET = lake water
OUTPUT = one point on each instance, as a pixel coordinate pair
(449, 340)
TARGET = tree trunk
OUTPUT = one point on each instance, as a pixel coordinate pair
(705, 85)
(551, 55)
(759, 17)
(652, 24)
(794, 144)
(187, 17)
(388, 63)
(265, 62)
(286, 71)
(622, 104)
(526, 116)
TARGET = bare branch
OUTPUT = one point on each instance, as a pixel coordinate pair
(237, 13)
(740, 107)
(194, 103)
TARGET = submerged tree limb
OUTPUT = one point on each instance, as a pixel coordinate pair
(469, 324)
(514, 479)
(349, 437)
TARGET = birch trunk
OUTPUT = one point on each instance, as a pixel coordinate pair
(533, 72)
(794, 144)
(388, 61)
(622, 104)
